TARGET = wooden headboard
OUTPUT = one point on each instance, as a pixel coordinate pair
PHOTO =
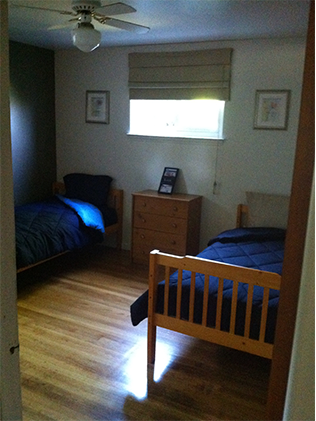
(115, 200)
(268, 210)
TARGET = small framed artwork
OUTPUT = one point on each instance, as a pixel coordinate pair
(168, 180)
(97, 107)
(271, 109)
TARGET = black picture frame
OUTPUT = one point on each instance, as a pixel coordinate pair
(168, 180)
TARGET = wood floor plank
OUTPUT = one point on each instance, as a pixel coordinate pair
(81, 358)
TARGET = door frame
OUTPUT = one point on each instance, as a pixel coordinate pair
(10, 387)
(296, 233)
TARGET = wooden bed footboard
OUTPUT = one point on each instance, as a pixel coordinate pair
(237, 274)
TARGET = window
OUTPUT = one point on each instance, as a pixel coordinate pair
(179, 93)
(177, 118)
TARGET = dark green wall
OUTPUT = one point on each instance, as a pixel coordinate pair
(32, 106)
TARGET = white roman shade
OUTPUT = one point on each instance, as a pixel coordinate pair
(202, 74)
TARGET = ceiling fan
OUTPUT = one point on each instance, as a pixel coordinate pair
(84, 36)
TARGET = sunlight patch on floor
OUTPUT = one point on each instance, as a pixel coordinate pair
(136, 367)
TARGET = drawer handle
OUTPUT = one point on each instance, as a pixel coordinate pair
(143, 220)
(142, 236)
(144, 204)
(175, 208)
(173, 242)
(174, 225)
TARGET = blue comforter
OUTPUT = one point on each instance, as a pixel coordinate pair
(257, 248)
(45, 229)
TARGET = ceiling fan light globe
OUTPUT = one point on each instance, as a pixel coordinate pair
(86, 38)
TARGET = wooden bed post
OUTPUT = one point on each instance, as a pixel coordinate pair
(116, 200)
(242, 216)
(152, 294)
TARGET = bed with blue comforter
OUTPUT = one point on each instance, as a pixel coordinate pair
(81, 216)
(49, 228)
(260, 249)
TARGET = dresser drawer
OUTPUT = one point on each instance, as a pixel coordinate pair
(161, 206)
(146, 240)
(141, 255)
(160, 223)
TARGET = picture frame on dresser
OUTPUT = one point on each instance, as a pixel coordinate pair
(168, 180)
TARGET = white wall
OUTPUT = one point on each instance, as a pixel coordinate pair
(260, 160)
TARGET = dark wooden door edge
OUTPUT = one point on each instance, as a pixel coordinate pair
(296, 233)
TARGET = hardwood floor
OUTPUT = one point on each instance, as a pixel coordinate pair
(81, 358)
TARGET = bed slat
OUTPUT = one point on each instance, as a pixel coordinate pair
(205, 299)
(219, 303)
(264, 314)
(192, 297)
(152, 294)
(166, 296)
(248, 311)
(233, 307)
(179, 294)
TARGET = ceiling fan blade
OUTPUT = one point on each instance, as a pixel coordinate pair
(62, 12)
(114, 9)
(62, 25)
(128, 26)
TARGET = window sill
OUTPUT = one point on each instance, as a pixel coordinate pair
(174, 137)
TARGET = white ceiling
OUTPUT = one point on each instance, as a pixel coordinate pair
(169, 21)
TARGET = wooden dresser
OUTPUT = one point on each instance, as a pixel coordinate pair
(169, 223)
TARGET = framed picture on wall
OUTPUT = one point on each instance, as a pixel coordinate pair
(168, 180)
(97, 107)
(271, 109)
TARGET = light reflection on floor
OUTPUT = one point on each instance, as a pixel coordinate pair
(136, 367)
